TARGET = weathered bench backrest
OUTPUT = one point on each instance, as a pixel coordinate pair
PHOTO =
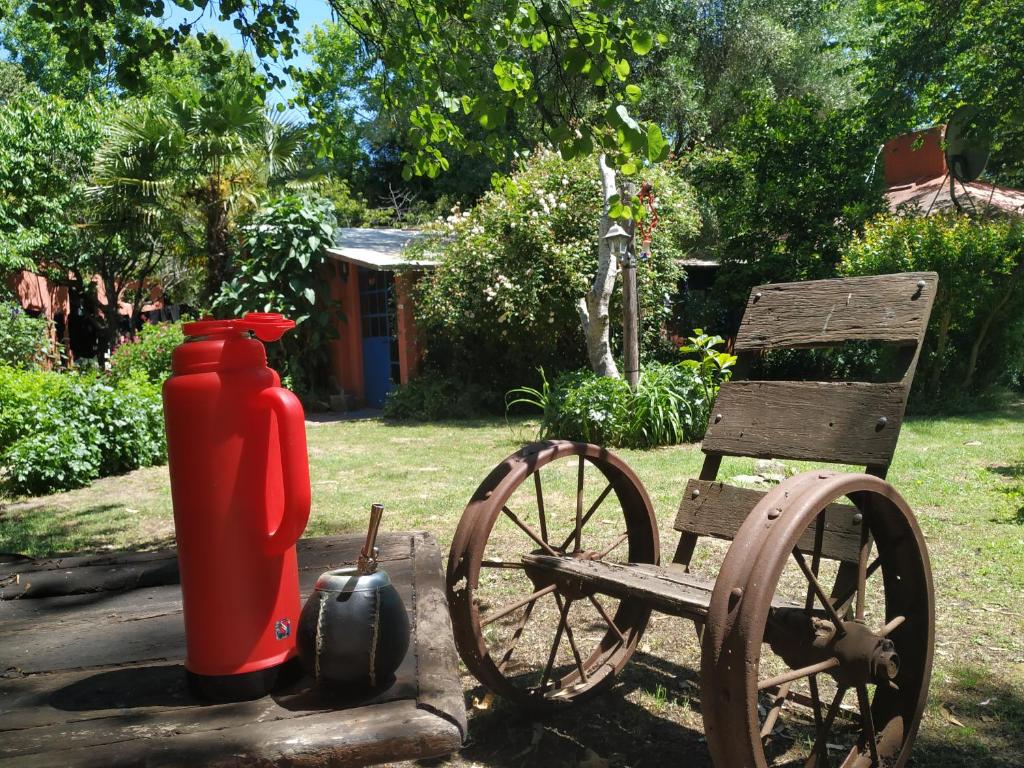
(825, 422)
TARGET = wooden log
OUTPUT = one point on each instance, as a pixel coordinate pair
(821, 313)
(837, 422)
(718, 510)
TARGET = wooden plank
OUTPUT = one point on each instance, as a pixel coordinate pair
(675, 592)
(718, 510)
(115, 628)
(439, 687)
(889, 308)
(142, 713)
(392, 731)
(837, 422)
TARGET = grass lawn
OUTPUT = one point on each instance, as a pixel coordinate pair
(964, 476)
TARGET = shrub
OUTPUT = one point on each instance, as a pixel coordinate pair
(24, 340)
(150, 355)
(671, 403)
(61, 431)
(433, 397)
(282, 270)
(505, 298)
(973, 338)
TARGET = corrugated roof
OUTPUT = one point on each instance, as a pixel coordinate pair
(377, 248)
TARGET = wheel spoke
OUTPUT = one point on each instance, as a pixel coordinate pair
(796, 674)
(529, 532)
(819, 538)
(773, 713)
(579, 507)
(868, 721)
(813, 581)
(821, 741)
(816, 700)
(586, 517)
(572, 640)
(501, 564)
(554, 646)
(506, 610)
(862, 566)
(608, 619)
(616, 543)
(844, 602)
(516, 634)
(888, 628)
(540, 506)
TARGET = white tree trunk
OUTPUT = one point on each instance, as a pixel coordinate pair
(593, 307)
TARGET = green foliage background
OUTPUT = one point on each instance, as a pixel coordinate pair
(504, 298)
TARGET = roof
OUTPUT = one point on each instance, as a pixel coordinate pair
(932, 196)
(380, 249)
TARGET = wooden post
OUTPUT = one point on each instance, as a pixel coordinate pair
(630, 314)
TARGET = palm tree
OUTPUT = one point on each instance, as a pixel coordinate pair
(171, 159)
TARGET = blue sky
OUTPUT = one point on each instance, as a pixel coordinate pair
(311, 13)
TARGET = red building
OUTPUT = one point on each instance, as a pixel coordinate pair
(378, 345)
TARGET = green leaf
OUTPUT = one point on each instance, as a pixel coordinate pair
(310, 295)
(657, 147)
(633, 92)
(622, 69)
(642, 42)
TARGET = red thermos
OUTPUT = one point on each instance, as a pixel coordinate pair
(236, 445)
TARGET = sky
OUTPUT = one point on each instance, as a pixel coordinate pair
(311, 13)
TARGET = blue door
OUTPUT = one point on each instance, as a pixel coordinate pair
(380, 343)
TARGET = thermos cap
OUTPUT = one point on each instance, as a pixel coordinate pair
(267, 326)
(349, 579)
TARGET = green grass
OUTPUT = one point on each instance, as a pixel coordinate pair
(964, 477)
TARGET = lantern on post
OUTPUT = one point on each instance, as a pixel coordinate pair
(620, 244)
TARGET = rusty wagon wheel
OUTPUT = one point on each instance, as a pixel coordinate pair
(853, 643)
(520, 634)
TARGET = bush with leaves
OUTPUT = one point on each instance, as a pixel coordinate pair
(670, 405)
(24, 340)
(63, 430)
(433, 397)
(505, 298)
(283, 269)
(149, 355)
(973, 337)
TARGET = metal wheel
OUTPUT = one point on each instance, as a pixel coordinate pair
(520, 634)
(842, 651)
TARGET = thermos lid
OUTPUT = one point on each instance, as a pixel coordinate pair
(350, 579)
(267, 326)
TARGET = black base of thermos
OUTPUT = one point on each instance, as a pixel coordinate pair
(243, 687)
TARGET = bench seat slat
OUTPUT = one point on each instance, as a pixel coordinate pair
(718, 510)
(887, 308)
(836, 422)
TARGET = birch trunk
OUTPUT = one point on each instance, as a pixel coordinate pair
(593, 307)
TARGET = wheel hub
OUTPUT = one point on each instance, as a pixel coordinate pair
(864, 657)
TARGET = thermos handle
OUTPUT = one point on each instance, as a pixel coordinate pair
(291, 429)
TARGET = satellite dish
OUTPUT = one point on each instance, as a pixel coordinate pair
(967, 144)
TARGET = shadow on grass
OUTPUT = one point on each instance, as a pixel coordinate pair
(665, 727)
(1014, 475)
(44, 531)
(979, 722)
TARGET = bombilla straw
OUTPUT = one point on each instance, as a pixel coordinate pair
(367, 562)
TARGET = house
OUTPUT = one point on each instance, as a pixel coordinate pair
(917, 178)
(378, 344)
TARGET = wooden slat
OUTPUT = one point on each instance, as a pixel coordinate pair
(835, 422)
(718, 510)
(889, 308)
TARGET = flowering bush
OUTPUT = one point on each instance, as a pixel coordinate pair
(504, 299)
(150, 355)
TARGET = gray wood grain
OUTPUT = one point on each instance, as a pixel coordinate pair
(816, 313)
(837, 422)
(718, 510)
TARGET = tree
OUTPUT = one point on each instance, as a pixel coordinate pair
(49, 218)
(200, 140)
(927, 58)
